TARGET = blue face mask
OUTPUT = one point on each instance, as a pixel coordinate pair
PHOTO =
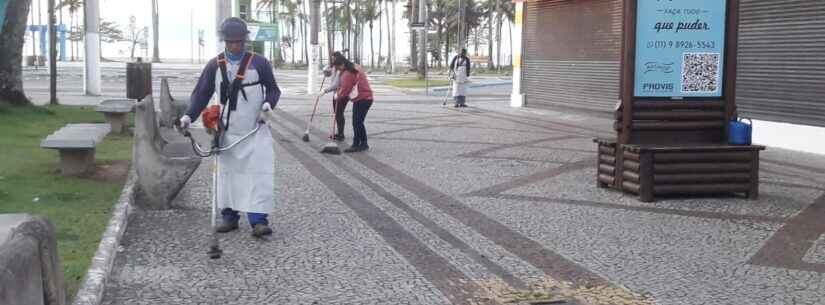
(233, 57)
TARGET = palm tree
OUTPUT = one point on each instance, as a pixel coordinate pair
(74, 6)
(370, 13)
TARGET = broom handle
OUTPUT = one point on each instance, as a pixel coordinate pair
(314, 108)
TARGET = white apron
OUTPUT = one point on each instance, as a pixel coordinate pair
(460, 82)
(246, 173)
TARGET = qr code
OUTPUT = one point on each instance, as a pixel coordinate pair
(700, 72)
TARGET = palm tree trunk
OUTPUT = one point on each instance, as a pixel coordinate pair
(292, 39)
(498, 40)
(77, 43)
(389, 32)
(380, 32)
(510, 26)
(372, 48)
(71, 30)
(490, 64)
(304, 27)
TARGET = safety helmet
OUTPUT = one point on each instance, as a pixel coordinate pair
(234, 29)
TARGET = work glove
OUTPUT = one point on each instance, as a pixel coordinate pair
(185, 122)
(266, 107)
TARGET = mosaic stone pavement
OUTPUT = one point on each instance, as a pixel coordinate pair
(449, 203)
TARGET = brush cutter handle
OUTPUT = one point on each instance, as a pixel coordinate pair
(184, 131)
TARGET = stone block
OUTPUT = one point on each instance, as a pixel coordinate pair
(28, 257)
(76, 161)
(116, 105)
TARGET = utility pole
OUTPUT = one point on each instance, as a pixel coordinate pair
(52, 55)
(191, 37)
(223, 10)
(91, 84)
(155, 31)
(315, 49)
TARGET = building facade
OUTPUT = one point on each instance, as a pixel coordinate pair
(571, 49)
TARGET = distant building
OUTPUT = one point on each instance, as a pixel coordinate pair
(264, 33)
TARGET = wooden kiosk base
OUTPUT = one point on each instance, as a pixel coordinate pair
(654, 170)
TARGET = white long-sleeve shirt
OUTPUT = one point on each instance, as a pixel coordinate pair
(335, 81)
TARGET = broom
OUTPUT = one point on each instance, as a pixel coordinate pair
(305, 138)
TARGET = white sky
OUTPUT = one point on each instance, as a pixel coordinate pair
(175, 28)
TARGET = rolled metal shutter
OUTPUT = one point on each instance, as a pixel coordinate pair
(572, 51)
(781, 62)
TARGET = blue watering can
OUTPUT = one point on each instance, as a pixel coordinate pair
(739, 132)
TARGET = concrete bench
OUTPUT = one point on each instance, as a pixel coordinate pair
(76, 143)
(115, 112)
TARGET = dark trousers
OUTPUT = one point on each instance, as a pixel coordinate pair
(359, 113)
(231, 215)
(340, 106)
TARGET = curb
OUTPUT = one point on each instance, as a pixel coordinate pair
(91, 291)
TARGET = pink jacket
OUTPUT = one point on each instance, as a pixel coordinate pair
(349, 80)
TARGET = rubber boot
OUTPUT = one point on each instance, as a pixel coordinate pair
(260, 230)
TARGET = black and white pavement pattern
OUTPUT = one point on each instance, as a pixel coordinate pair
(448, 201)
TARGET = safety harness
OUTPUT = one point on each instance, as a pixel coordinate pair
(229, 91)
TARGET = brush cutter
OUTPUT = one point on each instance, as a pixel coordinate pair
(214, 126)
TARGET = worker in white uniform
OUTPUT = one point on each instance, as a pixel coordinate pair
(245, 87)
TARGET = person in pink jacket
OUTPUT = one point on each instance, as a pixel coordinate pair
(355, 88)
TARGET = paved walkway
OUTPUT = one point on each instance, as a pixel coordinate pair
(455, 206)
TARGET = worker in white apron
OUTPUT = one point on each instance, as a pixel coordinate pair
(246, 172)
(460, 67)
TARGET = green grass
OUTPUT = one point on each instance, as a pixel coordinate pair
(79, 207)
(416, 83)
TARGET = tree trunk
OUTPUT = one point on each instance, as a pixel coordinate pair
(380, 32)
(304, 27)
(11, 53)
(498, 37)
(476, 41)
(156, 31)
(349, 27)
(510, 26)
(77, 43)
(292, 38)
(490, 64)
(330, 30)
(389, 33)
(413, 36)
(372, 49)
(71, 29)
